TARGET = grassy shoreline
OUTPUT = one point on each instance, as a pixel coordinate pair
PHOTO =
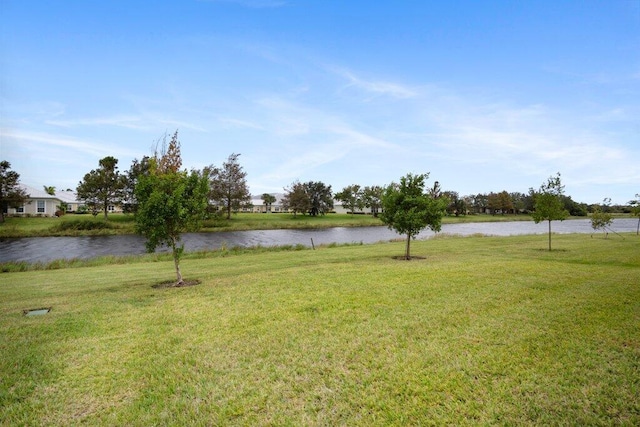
(483, 330)
(86, 225)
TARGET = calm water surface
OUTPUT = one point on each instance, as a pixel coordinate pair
(45, 249)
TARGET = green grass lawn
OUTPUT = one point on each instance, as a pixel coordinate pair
(483, 330)
(84, 225)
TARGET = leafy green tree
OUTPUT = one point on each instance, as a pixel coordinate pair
(635, 211)
(171, 201)
(320, 197)
(372, 197)
(408, 209)
(11, 194)
(138, 169)
(50, 190)
(268, 200)
(352, 198)
(601, 219)
(103, 186)
(500, 202)
(548, 204)
(480, 203)
(228, 184)
(296, 199)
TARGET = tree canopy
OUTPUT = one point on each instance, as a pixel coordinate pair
(103, 186)
(296, 199)
(549, 205)
(11, 194)
(228, 184)
(408, 209)
(352, 198)
(320, 197)
(170, 202)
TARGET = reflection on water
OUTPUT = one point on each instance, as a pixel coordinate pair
(44, 249)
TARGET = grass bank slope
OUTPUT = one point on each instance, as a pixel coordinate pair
(481, 331)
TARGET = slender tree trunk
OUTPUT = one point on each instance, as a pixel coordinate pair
(176, 262)
(407, 253)
(549, 235)
(638, 229)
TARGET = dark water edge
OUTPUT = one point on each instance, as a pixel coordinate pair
(46, 249)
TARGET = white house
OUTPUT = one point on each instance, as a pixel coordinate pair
(41, 203)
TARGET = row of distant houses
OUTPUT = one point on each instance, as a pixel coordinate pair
(41, 203)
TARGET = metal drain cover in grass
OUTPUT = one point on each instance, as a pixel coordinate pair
(37, 311)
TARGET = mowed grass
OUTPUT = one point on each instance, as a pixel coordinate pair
(481, 331)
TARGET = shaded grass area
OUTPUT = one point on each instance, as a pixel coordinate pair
(87, 225)
(483, 330)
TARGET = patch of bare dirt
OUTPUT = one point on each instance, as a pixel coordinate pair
(173, 284)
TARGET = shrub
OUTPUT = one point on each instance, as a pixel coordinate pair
(79, 224)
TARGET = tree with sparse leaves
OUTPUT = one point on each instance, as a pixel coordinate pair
(352, 198)
(635, 211)
(601, 219)
(171, 201)
(102, 187)
(229, 187)
(11, 194)
(549, 205)
(408, 209)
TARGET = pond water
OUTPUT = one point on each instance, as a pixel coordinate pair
(45, 249)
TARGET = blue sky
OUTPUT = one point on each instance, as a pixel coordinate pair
(484, 95)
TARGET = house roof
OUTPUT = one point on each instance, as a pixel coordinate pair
(63, 196)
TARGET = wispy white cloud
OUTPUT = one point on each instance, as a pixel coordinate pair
(148, 121)
(239, 123)
(40, 140)
(374, 87)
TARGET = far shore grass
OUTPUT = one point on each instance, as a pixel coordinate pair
(478, 331)
(87, 225)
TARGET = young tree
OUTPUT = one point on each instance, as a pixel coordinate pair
(320, 197)
(407, 209)
(268, 200)
(11, 194)
(372, 197)
(548, 205)
(170, 202)
(352, 198)
(229, 185)
(103, 186)
(635, 211)
(296, 199)
(601, 219)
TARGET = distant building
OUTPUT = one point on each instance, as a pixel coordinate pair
(41, 203)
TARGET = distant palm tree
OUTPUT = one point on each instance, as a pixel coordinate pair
(51, 190)
(268, 199)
